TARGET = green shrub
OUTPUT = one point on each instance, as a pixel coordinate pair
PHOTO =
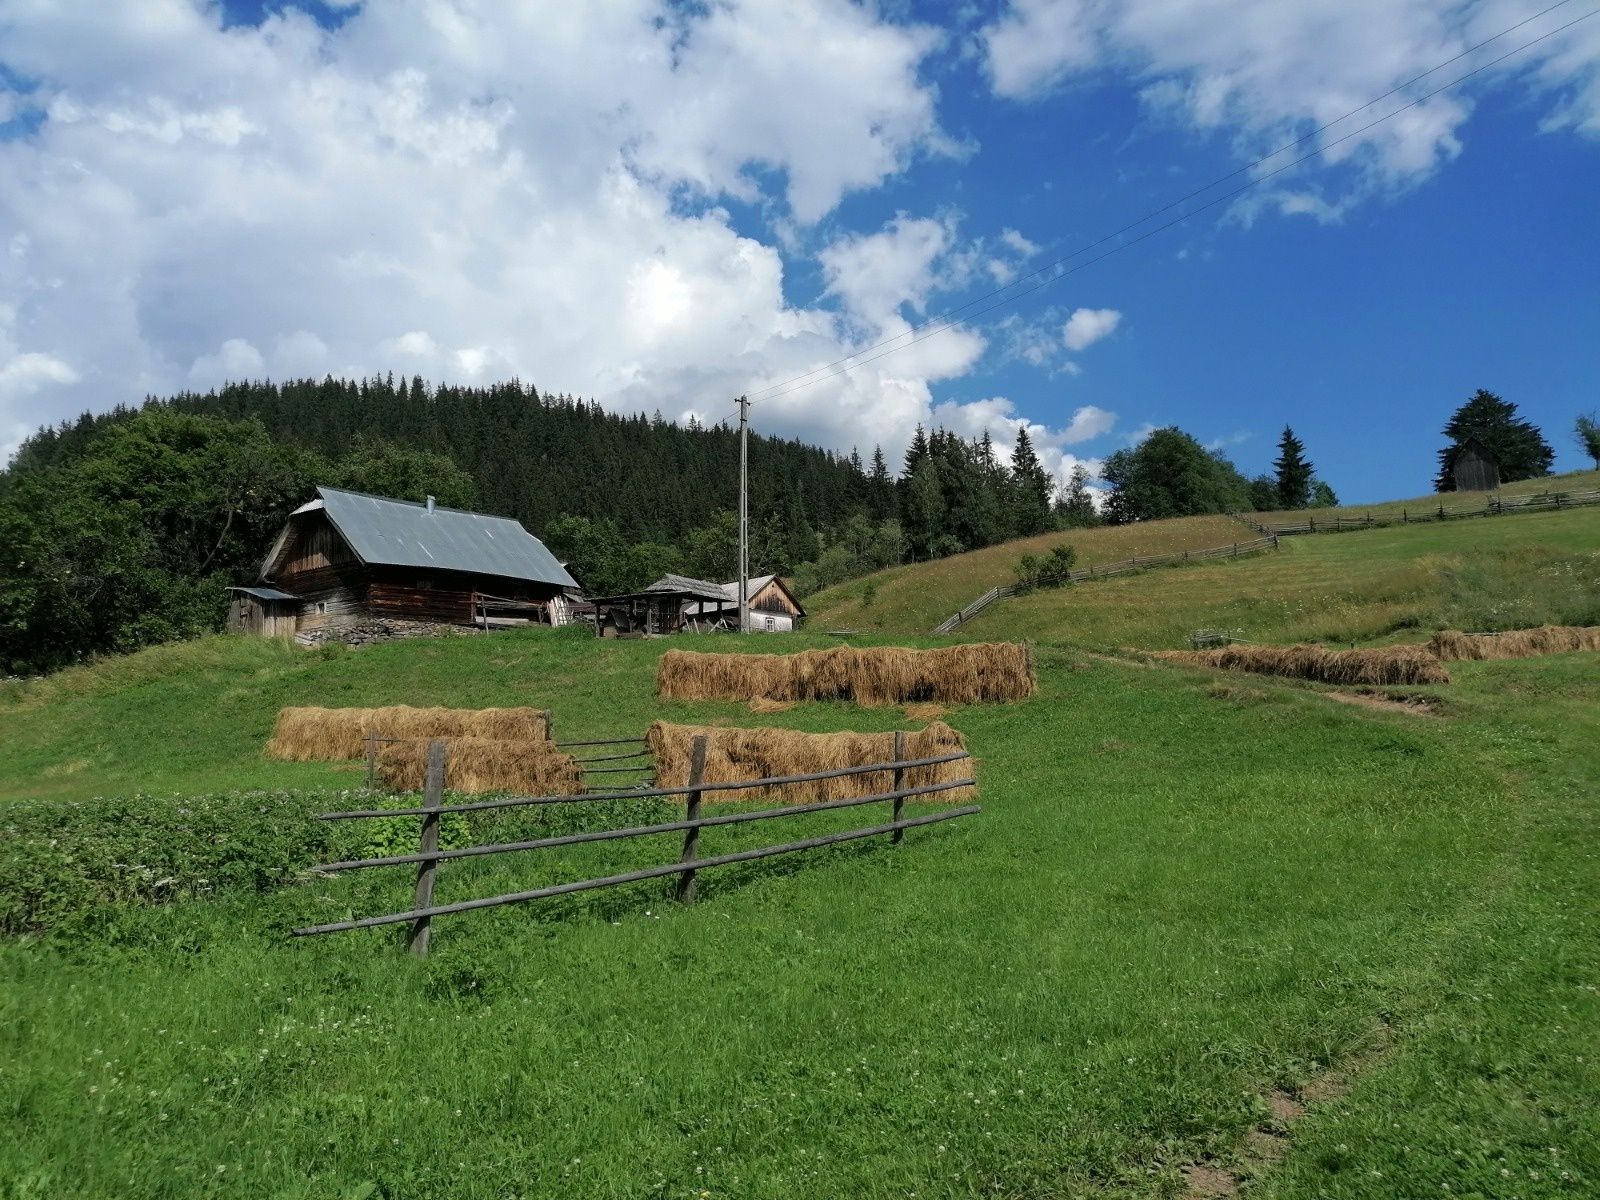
(60, 859)
(1052, 571)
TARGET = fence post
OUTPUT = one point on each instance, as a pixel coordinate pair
(432, 797)
(372, 760)
(691, 835)
(1405, 517)
(899, 783)
(1236, 549)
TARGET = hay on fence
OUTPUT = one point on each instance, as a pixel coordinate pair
(873, 675)
(740, 754)
(1382, 665)
(1452, 646)
(318, 734)
(481, 764)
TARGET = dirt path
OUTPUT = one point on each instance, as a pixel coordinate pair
(1265, 1146)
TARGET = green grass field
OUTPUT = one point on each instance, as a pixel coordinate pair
(1183, 893)
(1505, 572)
(916, 597)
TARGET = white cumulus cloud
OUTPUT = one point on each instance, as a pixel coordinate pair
(1264, 72)
(466, 191)
(1086, 326)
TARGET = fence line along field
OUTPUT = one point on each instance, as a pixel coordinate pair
(977, 673)
(734, 754)
(306, 734)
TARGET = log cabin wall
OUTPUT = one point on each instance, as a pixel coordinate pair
(774, 599)
(317, 565)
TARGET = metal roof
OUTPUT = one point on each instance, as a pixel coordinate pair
(265, 593)
(401, 533)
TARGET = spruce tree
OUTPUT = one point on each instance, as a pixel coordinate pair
(1030, 489)
(1518, 445)
(1294, 472)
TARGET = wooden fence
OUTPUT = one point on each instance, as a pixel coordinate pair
(428, 855)
(1126, 566)
(1494, 506)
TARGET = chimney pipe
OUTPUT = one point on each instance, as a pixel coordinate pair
(430, 503)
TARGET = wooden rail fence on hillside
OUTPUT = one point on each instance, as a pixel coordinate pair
(428, 855)
(1494, 506)
(1126, 566)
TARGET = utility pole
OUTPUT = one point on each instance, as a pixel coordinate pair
(744, 514)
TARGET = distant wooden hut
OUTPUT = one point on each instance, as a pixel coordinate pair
(346, 557)
(1476, 468)
(773, 608)
(679, 604)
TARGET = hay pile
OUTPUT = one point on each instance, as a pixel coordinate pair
(738, 754)
(321, 734)
(1522, 643)
(1383, 665)
(873, 675)
(481, 764)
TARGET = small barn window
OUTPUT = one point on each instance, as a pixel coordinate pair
(772, 624)
(322, 606)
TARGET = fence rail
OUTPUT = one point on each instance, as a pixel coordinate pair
(428, 856)
(1126, 566)
(1494, 506)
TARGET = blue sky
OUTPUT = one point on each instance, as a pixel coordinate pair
(661, 206)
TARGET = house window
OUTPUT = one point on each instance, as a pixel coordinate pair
(322, 606)
(772, 625)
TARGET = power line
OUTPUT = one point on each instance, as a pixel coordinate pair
(1051, 272)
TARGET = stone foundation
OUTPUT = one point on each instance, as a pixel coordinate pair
(366, 632)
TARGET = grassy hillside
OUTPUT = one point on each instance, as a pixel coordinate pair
(1498, 573)
(1573, 481)
(1179, 897)
(1398, 582)
(916, 597)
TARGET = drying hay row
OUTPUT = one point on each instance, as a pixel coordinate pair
(1382, 665)
(739, 754)
(1452, 646)
(481, 764)
(323, 734)
(872, 675)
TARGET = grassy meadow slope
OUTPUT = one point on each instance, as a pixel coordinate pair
(1179, 896)
(1572, 481)
(1389, 583)
(916, 597)
(1502, 572)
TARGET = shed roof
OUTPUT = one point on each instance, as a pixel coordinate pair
(403, 533)
(264, 593)
(682, 585)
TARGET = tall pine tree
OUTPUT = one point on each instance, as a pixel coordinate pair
(1294, 473)
(1030, 489)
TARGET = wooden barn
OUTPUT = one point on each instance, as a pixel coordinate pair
(1476, 469)
(346, 557)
